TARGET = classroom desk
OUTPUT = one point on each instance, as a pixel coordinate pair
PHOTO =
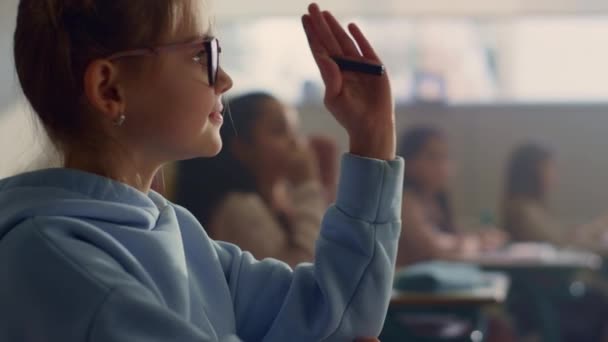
(543, 280)
(546, 259)
(444, 307)
(495, 292)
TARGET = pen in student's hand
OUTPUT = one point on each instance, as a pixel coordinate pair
(362, 67)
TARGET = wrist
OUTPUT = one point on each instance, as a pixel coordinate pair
(378, 144)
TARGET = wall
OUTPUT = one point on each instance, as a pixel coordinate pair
(481, 138)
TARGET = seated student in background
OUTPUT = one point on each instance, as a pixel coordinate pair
(326, 153)
(262, 192)
(430, 232)
(531, 175)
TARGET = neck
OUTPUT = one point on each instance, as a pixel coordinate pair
(120, 167)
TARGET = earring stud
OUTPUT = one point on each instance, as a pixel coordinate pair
(120, 120)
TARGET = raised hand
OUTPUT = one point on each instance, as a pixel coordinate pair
(361, 103)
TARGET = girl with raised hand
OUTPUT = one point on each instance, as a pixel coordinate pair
(89, 253)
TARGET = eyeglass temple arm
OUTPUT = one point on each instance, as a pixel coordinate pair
(157, 50)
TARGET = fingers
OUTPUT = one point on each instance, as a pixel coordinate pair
(346, 43)
(325, 33)
(330, 73)
(326, 36)
(316, 46)
(364, 45)
(327, 39)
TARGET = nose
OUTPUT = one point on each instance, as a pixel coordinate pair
(224, 82)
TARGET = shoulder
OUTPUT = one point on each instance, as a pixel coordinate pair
(53, 278)
(241, 202)
(64, 249)
(238, 211)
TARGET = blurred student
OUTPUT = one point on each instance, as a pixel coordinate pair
(531, 176)
(430, 232)
(325, 150)
(263, 191)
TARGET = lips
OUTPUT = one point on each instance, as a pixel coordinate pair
(216, 117)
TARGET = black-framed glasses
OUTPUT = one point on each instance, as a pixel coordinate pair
(211, 46)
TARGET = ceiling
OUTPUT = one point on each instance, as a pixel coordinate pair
(240, 8)
(227, 9)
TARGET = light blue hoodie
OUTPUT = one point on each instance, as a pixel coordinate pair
(85, 258)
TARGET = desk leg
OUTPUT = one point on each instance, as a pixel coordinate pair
(550, 325)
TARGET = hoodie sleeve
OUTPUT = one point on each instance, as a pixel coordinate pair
(345, 293)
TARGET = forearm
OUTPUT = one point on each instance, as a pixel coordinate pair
(355, 259)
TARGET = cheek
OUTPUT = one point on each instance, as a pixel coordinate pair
(179, 109)
(283, 147)
(187, 98)
(434, 173)
(190, 110)
(271, 150)
(445, 171)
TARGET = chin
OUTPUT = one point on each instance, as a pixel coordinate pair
(206, 145)
(211, 148)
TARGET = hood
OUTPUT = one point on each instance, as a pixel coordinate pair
(75, 194)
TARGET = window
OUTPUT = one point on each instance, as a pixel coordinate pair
(513, 59)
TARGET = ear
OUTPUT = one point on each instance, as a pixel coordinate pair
(102, 89)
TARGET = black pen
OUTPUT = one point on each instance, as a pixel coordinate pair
(362, 67)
